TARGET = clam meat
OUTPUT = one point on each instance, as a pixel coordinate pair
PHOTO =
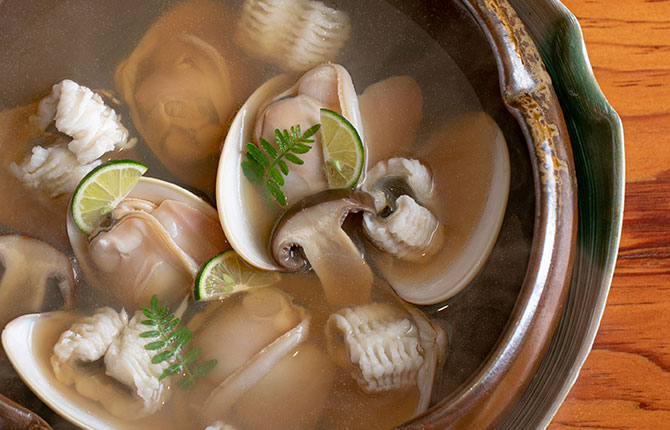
(155, 242)
(181, 83)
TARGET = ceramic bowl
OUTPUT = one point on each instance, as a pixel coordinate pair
(490, 43)
(596, 139)
(596, 135)
(503, 326)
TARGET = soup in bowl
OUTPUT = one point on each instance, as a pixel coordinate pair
(280, 214)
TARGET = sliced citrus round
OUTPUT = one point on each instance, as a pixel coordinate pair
(101, 190)
(343, 152)
(226, 274)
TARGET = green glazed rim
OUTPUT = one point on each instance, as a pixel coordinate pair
(596, 135)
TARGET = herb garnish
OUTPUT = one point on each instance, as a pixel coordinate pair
(170, 344)
(267, 167)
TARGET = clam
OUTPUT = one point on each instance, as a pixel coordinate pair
(29, 341)
(154, 243)
(235, 330)
(181, 83)
(473, 184)
(260, 340)
(278, 104)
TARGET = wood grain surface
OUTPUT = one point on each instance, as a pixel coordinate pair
(625, 382)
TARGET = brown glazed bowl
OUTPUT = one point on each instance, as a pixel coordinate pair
(483, 397)
(500, 325)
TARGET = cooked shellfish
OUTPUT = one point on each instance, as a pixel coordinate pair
(154, 243)
(278, 104)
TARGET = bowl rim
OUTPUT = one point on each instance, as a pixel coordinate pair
(528, 94)
(561, 43)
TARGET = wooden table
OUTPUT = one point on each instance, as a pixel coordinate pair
(625, 382)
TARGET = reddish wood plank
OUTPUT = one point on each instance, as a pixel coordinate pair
(647, 144)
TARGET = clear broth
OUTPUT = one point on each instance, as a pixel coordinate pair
(85, 41)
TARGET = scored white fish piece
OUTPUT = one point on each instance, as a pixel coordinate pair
(411, 232)
(93, 127)
(99, 353)
(129, 362)
(295, 34)
(319, 37)
(382, 344)
(261, 25)
(86, 342)
(417, 176)
(80, 113)
(53, 169)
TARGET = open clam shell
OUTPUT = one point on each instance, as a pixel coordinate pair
(232, 388)
(28, 342)
(172, 283)
(471, 186)
(245, 215)
(182, 82)
(260, 340)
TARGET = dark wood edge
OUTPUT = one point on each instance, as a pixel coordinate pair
(18, 417)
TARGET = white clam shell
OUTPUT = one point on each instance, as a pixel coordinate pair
(265, 368)
(451, 269)
(152, 190)
(244, 214)
(434, 342)
(28, 342)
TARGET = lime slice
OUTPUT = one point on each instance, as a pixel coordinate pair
(343, 152)
(227, 274)
(101, 190)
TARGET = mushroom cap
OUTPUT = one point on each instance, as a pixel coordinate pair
(316, 215)
(312, 232)
(29, 265)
